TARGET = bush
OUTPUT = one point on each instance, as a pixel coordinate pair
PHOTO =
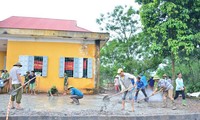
(193, 88)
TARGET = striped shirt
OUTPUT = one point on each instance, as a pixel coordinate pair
(165, 84)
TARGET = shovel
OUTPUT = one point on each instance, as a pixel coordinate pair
(14, 92)
(150, 95)
(107, 97)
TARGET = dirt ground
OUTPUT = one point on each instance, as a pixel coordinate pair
(41, 104)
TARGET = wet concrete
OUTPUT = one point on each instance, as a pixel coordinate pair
(91, 105)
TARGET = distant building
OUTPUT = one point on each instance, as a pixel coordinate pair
(52, 47)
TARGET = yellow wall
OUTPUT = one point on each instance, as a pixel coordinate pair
(54, 51)
(2, 55)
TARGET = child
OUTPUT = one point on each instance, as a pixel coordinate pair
(116, 82)
(180, 89)
(140, 86)
(32, 82)
(26, 80)
(53, 91)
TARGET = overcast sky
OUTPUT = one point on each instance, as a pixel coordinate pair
(85, 12)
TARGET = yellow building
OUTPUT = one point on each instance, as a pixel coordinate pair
(51, 48)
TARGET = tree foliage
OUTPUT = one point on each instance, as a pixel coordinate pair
(123, 51)
(170, 35)
(171, 26)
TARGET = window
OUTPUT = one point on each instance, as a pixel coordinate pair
(76, 67)
(69, 66)
(36, 63)
(84, 67)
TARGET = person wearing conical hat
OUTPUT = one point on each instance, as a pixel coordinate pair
(76, 94)
(53, 91)
(16, 82)
(167, 89)
(165, 77)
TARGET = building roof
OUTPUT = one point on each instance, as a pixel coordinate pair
(41, 24)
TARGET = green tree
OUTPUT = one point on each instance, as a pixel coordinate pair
(170, 27)
(124, 49)
(121, 49)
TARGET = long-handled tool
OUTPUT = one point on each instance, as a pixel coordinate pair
(14, 92)
(150, 95)
(107, 97)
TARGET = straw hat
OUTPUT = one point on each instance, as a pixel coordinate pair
(164, 75)
(156, 77)
(18, 64)
(69, 87)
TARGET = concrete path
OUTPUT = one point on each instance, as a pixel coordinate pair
(93, 105)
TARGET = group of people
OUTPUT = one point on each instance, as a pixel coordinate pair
(16, 82)
(30, 82)
(126, 83)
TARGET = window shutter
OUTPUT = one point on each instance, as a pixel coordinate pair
(44, 66)
(24, 61)
(76, 67)
(80, 67)
(89, 68)
(30, 63)
(62, 68)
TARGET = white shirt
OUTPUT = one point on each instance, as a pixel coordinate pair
(13, 75)
(125, 81)
(116, 81)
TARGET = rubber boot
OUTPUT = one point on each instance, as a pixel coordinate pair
(184, 102)
(173, 105)
(164, 103)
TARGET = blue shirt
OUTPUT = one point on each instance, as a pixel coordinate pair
(144, 80)
(75, 91)
(132, 81)
(140, 84)
(151, 82)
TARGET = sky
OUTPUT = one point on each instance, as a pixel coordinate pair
(85, 12)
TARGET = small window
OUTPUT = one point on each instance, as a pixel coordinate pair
(85, 67)
(69, 66)
(76, 67)
(38, 63)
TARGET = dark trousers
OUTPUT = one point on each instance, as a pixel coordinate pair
(143, 91)
(180, 92)
(75, 98)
